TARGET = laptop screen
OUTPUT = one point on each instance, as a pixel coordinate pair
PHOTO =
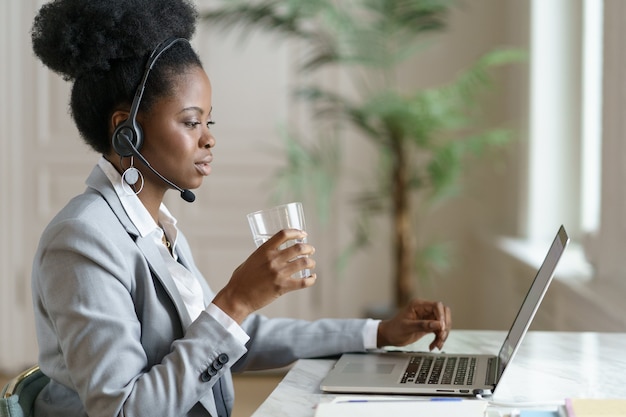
(532, 301)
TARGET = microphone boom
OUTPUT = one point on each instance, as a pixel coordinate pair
(185, 194)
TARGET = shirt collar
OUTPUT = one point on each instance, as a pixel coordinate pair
(136, 211)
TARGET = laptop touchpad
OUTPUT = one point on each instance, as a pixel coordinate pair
(359, 368)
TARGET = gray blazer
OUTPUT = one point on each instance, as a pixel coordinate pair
(115, 337)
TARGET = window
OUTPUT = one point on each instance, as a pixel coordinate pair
(577, 149)
(607, 246)
(565, 118)
(592, 115)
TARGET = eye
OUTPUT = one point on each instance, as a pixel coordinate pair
(210, 123)
(192, 124)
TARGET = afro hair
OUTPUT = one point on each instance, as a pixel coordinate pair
(74, 37)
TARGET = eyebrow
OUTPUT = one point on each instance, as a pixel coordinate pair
(195, 108)
(192, 108)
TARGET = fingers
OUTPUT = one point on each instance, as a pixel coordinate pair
(305, 282)
(443, 317)
(295, 266)
(437, 328)
(289, 253)
(433, 317)
(277, 241)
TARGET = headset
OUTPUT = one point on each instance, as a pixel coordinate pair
(128, 136)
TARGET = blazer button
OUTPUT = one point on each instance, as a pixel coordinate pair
(209, 373)
(222, 359)
(205, 376)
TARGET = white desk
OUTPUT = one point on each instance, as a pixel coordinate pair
(549, 367)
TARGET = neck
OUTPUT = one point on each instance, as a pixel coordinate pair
(152, 200)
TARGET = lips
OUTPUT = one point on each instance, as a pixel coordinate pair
(204, 166)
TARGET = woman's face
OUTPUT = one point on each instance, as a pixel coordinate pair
(177, 141)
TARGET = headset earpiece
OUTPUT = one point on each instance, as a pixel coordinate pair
(127, 135)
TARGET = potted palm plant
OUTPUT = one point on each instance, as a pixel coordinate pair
(423, 137)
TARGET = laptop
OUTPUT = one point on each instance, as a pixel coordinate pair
(426, 373)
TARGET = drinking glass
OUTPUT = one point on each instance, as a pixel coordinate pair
(266, 223)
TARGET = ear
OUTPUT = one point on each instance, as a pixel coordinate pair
(117, 117)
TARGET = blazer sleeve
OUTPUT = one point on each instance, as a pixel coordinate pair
(277, 342)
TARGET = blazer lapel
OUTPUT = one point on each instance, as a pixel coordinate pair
(98, 181)
(161, 273)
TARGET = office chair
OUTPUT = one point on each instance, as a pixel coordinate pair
(18, 395)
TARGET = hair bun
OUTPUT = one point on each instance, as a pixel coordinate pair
(73, 37)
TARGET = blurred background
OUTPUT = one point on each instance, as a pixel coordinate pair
(564, 166)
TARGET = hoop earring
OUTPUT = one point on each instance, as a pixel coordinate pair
(130, 177)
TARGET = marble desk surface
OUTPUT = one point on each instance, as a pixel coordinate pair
(549, 367)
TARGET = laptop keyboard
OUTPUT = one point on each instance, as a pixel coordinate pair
(449, 370)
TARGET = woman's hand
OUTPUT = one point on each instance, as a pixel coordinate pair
(266, 275)
(417, 319)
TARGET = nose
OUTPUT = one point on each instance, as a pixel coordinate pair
(207, 140)
(210, 143)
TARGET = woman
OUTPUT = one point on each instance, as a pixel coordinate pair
(125, 321)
